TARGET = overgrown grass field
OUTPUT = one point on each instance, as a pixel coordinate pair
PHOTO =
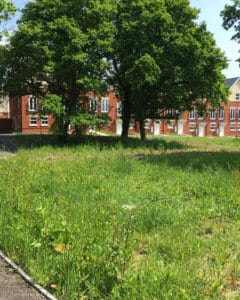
(126, 221)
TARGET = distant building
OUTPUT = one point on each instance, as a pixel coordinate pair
(23, 113)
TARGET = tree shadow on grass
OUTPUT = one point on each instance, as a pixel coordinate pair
(196, 160)
(100, 142)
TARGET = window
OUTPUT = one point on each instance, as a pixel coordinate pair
(32, 103)
(105, 105)
(237, 96)
(232, 126)
(170, 124)
(131, 124)
(44, 120)
(93, 104)
(192, 114)
(33, 121)
(221, 114)
(232, 113)
(146, 124)
(213, 127)
(238, 127)
(239, 114)
(119, 108)
(170, 112)
(191, 126)
(212, 115)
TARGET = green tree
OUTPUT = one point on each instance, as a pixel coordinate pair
(63, 43)
(231, 18)
(7, 10)
(163, 59)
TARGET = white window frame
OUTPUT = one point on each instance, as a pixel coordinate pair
(170, 111)
(170, 124)
(105, 105)
(132, 124)
(32, 103)
(93, 104)
(238, 126)
(192, 127)
(147, 124)
(238, 113)
(119, 109)
(213, 127)
(232, 126)
(212, 115)
(232, 113)
(237, 97)
(33, 121)
(192, 114)
(44, 121)
(221, 114)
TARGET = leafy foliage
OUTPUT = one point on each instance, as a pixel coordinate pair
(231, 18)
(163, 59)
(63, 43)
(7, 10)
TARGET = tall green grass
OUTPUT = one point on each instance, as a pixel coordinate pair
(157, 221)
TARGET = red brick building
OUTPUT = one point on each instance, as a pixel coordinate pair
(216, 122)
(223, 122)
(25, 117)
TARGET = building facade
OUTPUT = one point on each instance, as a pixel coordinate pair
(24, 116)
(24, 113)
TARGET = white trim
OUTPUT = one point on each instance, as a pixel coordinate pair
(232, 109)
(231, 125)
(44, 125)
(213, 126)
(212, 115)
(146, 124)
(192, 127)
(32, 106)
(95, 100)
(170, 124)
(223, 113)
(105, 105)
(192, 114)
(30, 124)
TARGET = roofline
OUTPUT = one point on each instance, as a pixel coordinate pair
(237, 79)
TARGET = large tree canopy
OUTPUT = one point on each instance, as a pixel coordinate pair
(163, 59)
(63, 43)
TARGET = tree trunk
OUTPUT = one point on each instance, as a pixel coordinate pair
(125, 127)
(142, 131)
(63, 132)
(126, 117)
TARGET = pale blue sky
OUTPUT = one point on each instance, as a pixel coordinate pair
(210, 13)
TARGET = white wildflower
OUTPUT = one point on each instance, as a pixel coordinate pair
(128, 207)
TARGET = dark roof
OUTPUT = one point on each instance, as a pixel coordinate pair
(230, 81)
